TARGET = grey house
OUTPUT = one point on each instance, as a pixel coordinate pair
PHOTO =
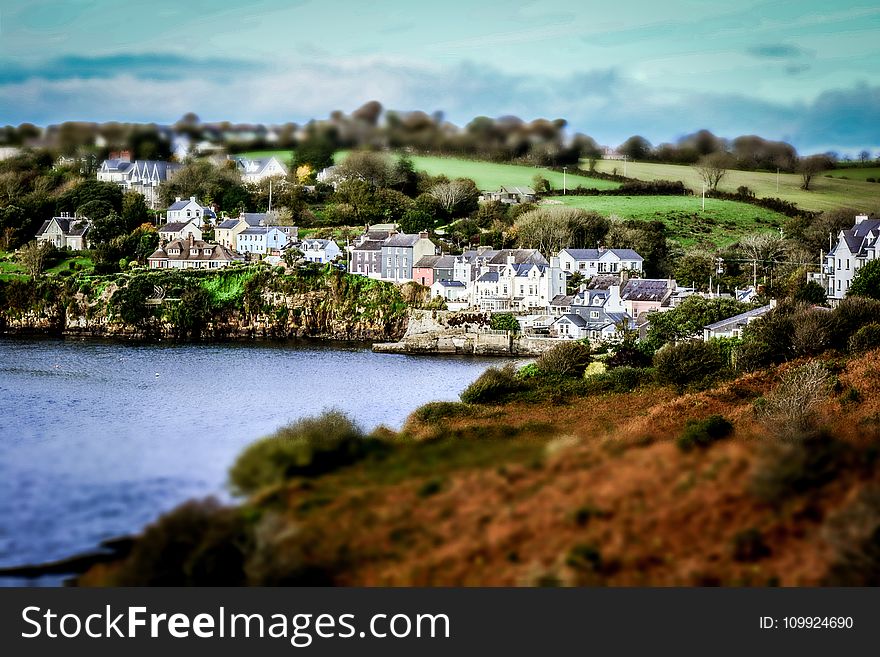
(400, 252)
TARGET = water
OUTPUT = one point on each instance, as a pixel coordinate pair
(98, 438)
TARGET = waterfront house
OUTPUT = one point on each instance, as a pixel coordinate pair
(519, 287)
(190, 210)
(366, 258)
(65, 232)
(434, 268)
(855, 247)
(454, 293)
(400, 252)
(179, 230)
(190, 253)
(590, 262)
(320, 251)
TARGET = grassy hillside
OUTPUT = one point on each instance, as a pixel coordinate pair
(283, 155)
(589, 491)
(722, 222)
(856, 173)
(490, 175)
(827, 193)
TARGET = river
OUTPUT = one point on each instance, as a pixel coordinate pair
(99, 438)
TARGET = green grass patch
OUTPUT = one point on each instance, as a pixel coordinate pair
(825, 193)
(855, 173)
(722, 222)
(283, 155)
(491, 175)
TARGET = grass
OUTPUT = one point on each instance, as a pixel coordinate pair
(490, 175)
(826, 192)
(722, 223)
(83, 261)
(282, 155)
(855, 173)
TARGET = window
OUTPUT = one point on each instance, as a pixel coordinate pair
(594, 314)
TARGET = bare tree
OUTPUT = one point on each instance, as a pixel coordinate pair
(548, 228)
(712, 168)
(864, 156)
(454, 193)
(791, 409)
(763, 247)
(33, 256)
(374, 168)
(811, 166)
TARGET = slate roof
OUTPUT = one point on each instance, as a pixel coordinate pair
(645, 289)
(562, 300)
(520, 256)
(402, 239)
(70, 226)
(488, 277)
(595, 254)
(218, 252)
(228, 223)
(514, 189)
(741, 319)
(577, 320)
(446, 283)
(173, 227)
(861, 236)
(427, 262)
(369, 245)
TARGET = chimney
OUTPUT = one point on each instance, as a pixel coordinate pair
(177, 199)
(192, 198)
(511, 258)
(423, 235)
(554, 262)
(860, 218)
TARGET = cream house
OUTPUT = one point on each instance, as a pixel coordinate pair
(65, 232)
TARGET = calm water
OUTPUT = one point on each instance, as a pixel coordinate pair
(97, 439)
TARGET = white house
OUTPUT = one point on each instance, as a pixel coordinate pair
(454, 293)
(320, 251)
(190, 210)
(190, 253)
(143, 176)
(589, 262)
(258, 169)
(732, 327)
(179, 230)
(261, 239)
(855, 247)
(518, 287)
(65, 232)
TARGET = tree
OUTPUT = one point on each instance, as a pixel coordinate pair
(811, 166)
(688, 362)
(864, 156)
(33, 257)
(457, 197)
(373, 168)
(687, 320)
(636, 148)
(552, 228)
(712, 168)
(867, 281)
(315, 152)
(541, 184)
(696, 266)
(134, 210)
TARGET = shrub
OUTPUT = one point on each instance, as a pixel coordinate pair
(790, 409)
(866, 338)
(749, 546)
(305, 448)
(565, 359)
(620, 379)
(441, 410)
(504, 322)
(200, 543)
(854, 535)
(851, 314)
(687, 362)
(797, 466)
(493, 386)
(702, 433)
(866, 282)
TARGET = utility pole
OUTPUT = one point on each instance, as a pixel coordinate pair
(563, 180)
(777, 180)
(624, 166)
(270, 197)
(704, 197)
(755, 274)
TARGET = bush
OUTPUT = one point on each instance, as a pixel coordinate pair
(308, 447)
(565, 359)
(851, 314)
(866, 338)
(197, 544)
(687, 363)
(791, 408)
(854, 535)
(620, 379)
(441, 410)
(493, 386)
(702, 433)
(504, 322)
(797, 466)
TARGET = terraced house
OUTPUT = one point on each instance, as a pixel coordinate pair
(400, 253)
(589, 262)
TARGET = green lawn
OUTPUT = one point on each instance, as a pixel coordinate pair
(282, 155)
(856, 173)
(83, 261)
(826, 193)
(490, 176)
(722, 223)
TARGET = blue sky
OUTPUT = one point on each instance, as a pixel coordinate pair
(802, 71)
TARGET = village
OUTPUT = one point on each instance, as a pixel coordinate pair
(595, 294)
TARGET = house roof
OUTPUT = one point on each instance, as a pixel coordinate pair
(402, 239)
(595, 254)
(577, 320)
(427, 262)
(445, 283)
(515, 189)
(228, 223)
(646, 289)
(369, 245)
(561, 300)
(173, 227)
(488, 277)
(217, 252)
(602, 282)
(255, 218)
(520, 256)
(742, 318)
(70, 226)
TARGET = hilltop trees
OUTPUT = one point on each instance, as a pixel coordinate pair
(551, 228)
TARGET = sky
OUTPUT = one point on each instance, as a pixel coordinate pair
(803, 71)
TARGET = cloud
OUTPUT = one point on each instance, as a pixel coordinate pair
(152, 66)
(602, 102)
(776, 51)
(796, 69)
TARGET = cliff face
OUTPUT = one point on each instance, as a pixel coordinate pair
(247, 303)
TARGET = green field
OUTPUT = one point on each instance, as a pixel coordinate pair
(855, 173)
(282, 155)
(722, 223)
(490, 176)
(826, 193)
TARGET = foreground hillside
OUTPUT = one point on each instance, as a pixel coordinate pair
(594, 488)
